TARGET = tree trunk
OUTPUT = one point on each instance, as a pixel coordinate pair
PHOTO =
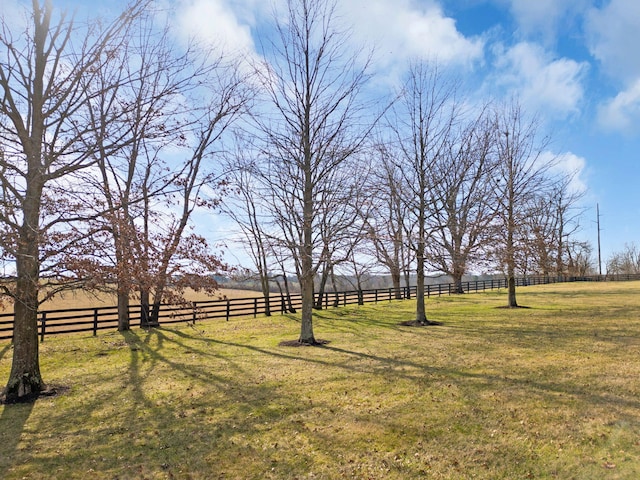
(511, 261)
(264, 283)
(395, 281)
(407, 282)
(321, 289)
(145, 309)
(288, 292)
(306, 257)
(154, 318)
(25, 381)
(421, 316)
(306, 328)
(457, 281)
(511, 285)
(123, 309)
(336, 298)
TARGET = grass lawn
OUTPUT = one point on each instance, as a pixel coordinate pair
(550, 391)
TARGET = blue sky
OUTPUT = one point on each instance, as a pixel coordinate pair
(574, 62)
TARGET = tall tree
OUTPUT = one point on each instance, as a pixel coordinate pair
(522, 171)
(46, 141)
(422, 121)
(312, 126)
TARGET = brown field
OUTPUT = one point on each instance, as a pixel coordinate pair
(85, 299)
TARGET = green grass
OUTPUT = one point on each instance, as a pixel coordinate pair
(551, 391)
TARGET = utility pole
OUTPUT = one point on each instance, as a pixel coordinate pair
(598, 223)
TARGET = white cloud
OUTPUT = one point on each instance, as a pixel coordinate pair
(544, 16)
(540, 81)
(571, 165)
(215, 24)
(623, 111)
(402, 30)
(613, 34)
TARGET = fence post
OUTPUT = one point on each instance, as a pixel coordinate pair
(43, 322)
(95, 322)
(194, 314)
(228, 308)
(376, 290)
(255, 307)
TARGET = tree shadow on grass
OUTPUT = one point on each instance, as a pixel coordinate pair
(12, 421)
(162, 410)
(389, 365)
(3, 351)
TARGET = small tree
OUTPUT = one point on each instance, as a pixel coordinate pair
(625, 261)
(386, 220)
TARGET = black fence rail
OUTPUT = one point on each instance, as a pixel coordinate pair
(56, 322)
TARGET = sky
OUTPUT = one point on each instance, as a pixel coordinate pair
(575, 63)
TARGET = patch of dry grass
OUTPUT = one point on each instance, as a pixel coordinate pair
(550, 391)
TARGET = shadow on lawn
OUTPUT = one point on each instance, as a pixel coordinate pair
(220, 402)
(411, 370)
(5, 349)
(157, 414)
(12, 421)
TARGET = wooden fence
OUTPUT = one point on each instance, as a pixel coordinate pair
(55, 322)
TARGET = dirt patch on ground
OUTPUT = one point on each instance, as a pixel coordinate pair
(48, 391)
(297, 343)
(415, 323)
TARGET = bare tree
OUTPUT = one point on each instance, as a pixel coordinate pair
(580, 259)
(245, 208)
(313, 125)
(463, 214)
(179, 105)
(387, 217)
(625, 261)
(422, 121)
(46, 141)
(521, 174)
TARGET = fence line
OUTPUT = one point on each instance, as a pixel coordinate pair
(56, 322)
